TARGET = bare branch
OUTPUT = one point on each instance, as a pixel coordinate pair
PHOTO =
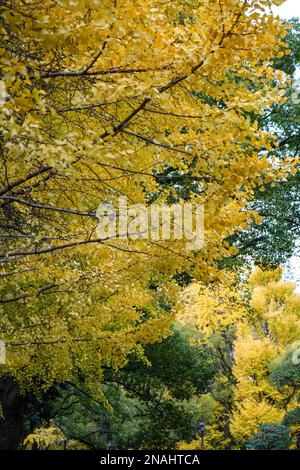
(49, 208)
(41, 170)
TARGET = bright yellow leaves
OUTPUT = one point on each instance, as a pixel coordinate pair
(211, 310)
(104, 99)
(250, 414)
(247, 336)
(275, 324)
(51, 438)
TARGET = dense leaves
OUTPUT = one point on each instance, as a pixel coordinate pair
(122, 340)
(270, 438)
(151, 403)
(276, 238)
(249, 336)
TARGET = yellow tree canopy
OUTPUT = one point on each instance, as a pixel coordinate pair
(275, 324)
(248, 327)
(101, 99)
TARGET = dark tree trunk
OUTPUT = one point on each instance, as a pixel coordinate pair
(12, 403)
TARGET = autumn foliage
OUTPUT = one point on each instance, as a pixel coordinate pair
(156, 101)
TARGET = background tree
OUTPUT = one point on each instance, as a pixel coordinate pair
(148, 404)
(285, 372)
(275, 239)
(270, 437)
(247, 327)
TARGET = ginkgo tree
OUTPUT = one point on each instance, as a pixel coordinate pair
(275, 324)
(249, 327)
(103, 99)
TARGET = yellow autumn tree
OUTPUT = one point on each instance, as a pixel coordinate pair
(211, 314)
(140, 99)
(51, 438)
(248, 326)
(275, 324)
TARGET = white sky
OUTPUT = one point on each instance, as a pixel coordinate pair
(288, 9)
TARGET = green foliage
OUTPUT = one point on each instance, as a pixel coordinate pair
(275, 239)
(292, 417)
(286, 371)
(270, 437)
(174, 364)
(148, 404)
